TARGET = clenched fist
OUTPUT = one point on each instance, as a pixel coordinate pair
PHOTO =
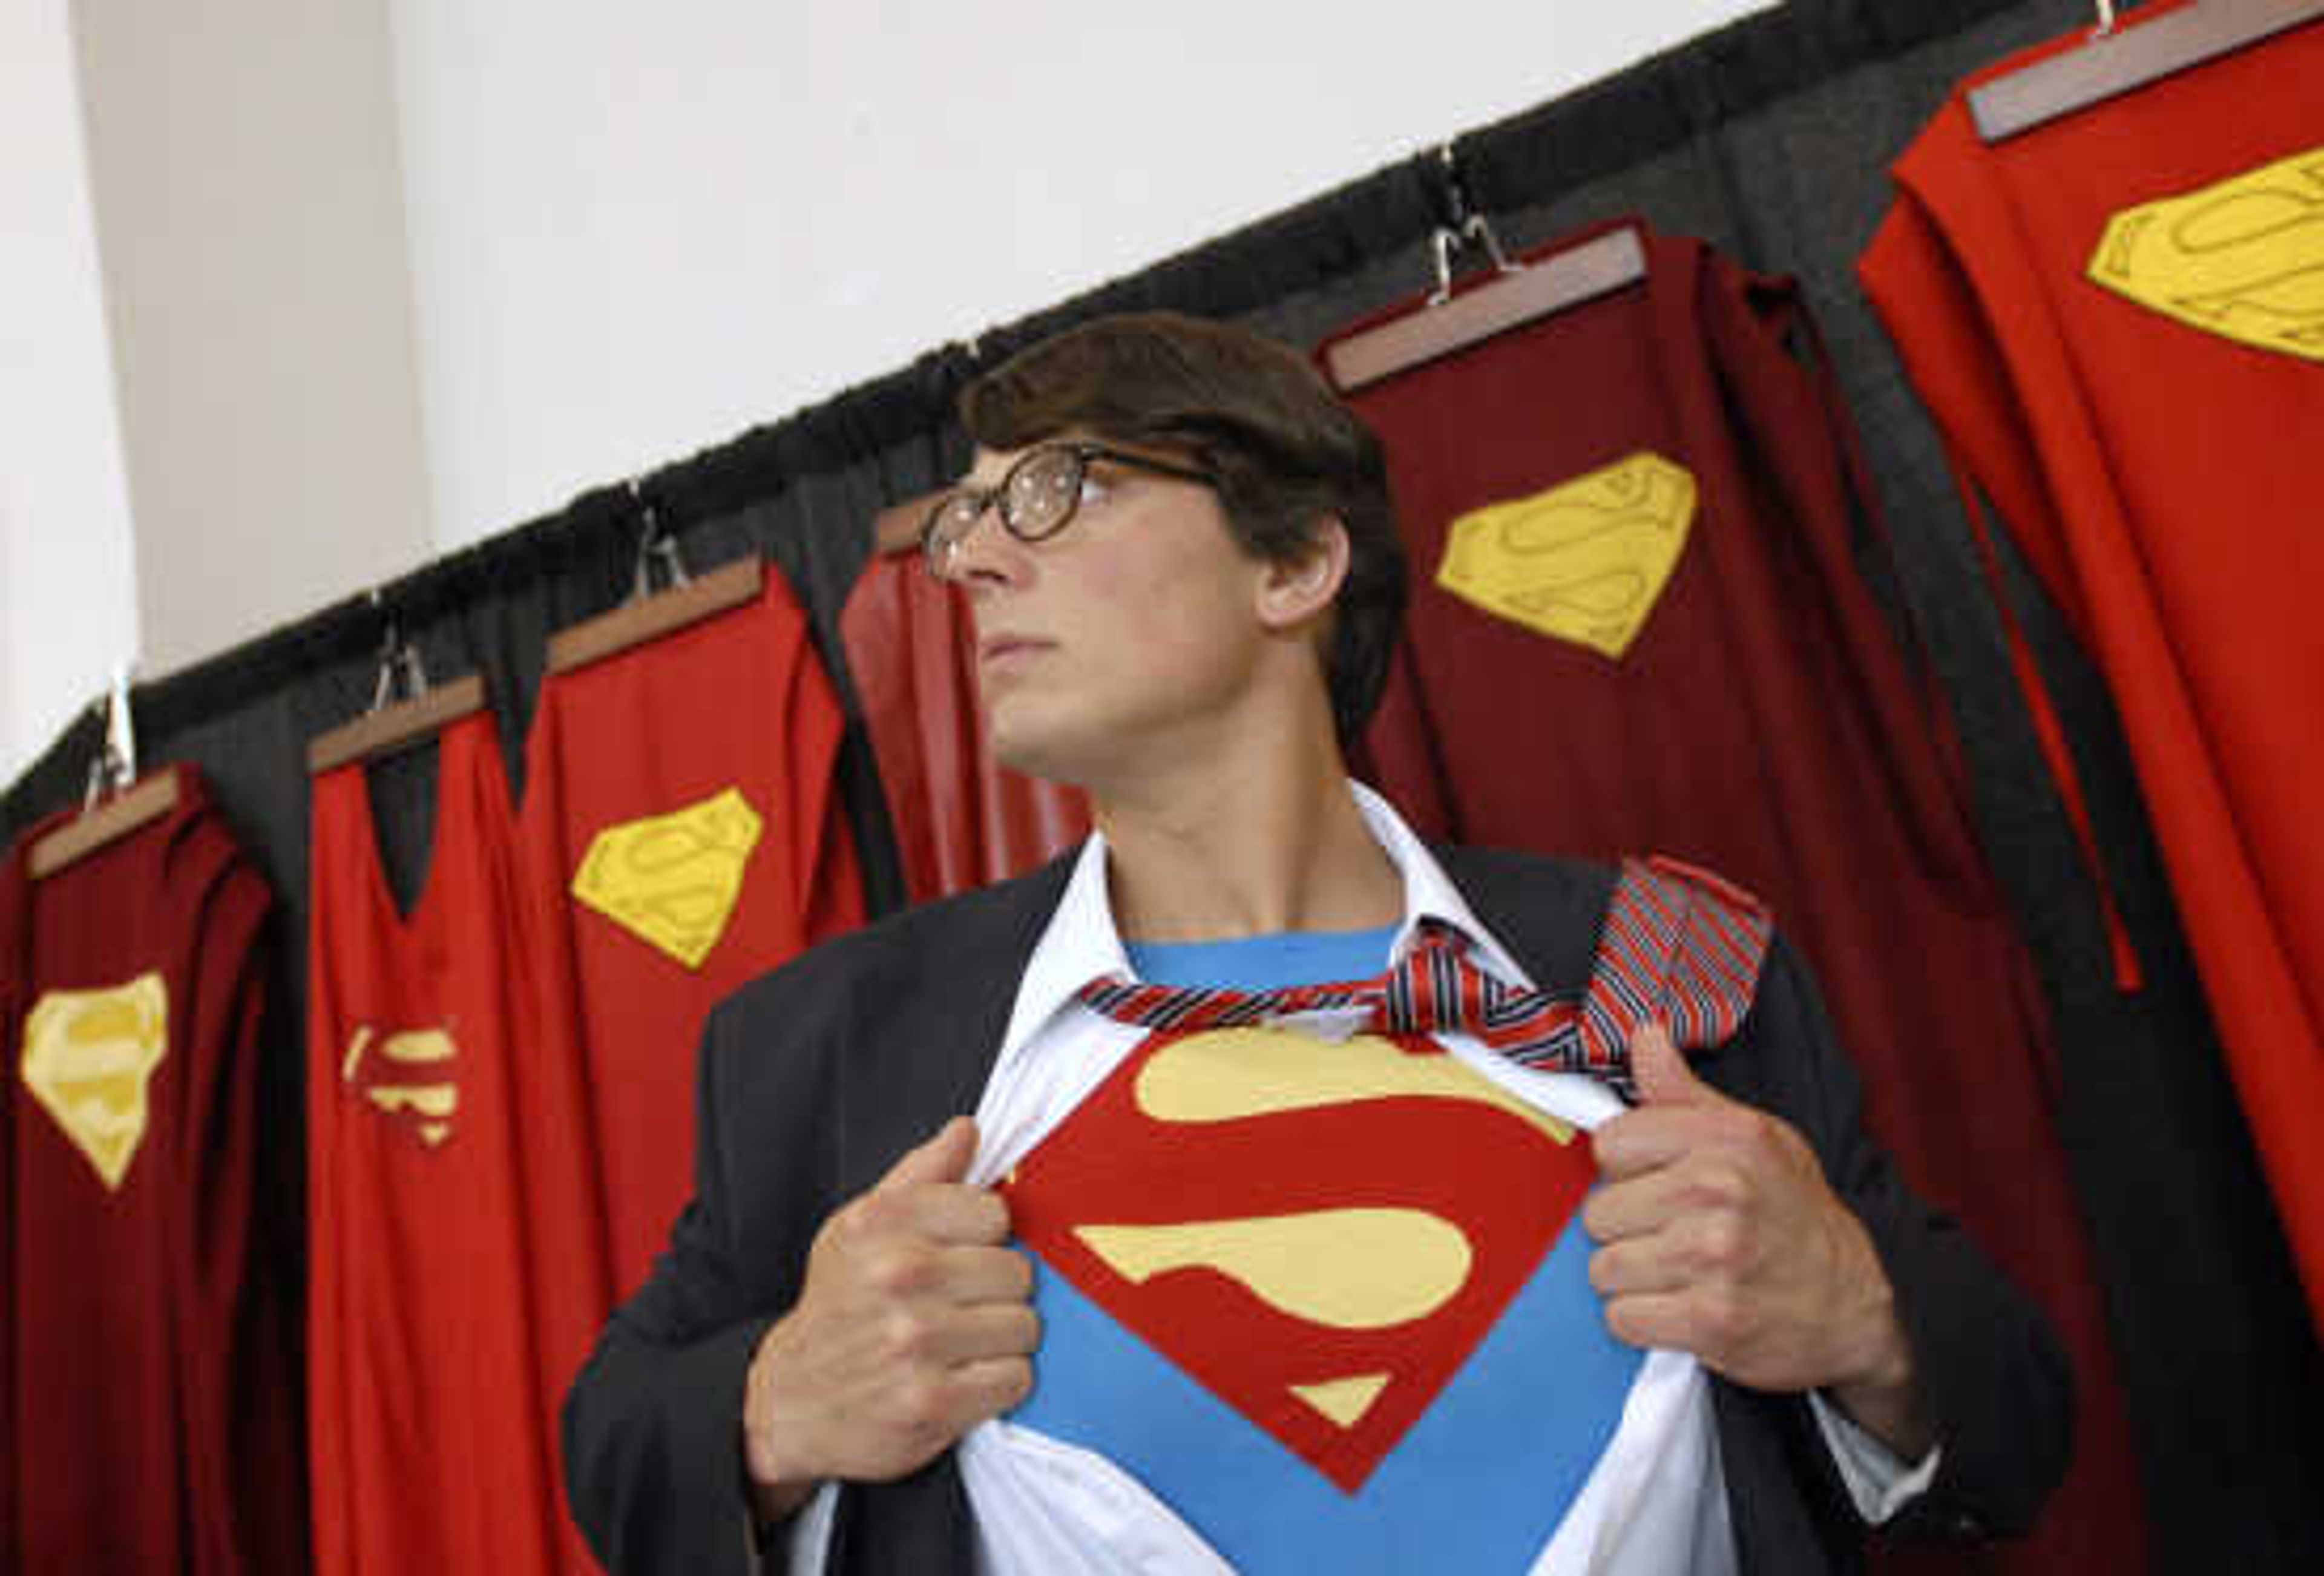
(914, 1324)
(1718, 1236)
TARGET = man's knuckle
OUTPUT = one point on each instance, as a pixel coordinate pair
(897, 1269)
(1755, 1131)
(1622, 1320)
(922, 1407)
(1722, 1185)
(1719, 1241)
(1721, 1315)
(903, 1336)
(867, 1216)
(918, 1337)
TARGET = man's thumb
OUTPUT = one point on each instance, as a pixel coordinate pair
(1660, 1071)
(943, 1158)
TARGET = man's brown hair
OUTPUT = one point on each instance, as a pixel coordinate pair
(1287, 451)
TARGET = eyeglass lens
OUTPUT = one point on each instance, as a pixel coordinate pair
(1040, 491)
(1035, 500)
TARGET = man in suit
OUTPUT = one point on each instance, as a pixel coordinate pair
(1183, 569)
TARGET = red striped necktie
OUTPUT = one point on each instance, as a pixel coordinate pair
(1679, 944)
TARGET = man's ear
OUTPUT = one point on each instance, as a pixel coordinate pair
(1293, 591)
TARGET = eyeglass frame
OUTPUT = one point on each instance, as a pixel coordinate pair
(996, 497)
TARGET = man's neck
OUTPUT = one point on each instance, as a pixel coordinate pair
(1224, 854)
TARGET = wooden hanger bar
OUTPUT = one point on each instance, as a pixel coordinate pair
(396, 727)
(1581, 273)
(664, 613)
(2129, 59)
(109, 823)
(898, 530)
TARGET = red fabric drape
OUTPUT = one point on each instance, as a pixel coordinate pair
(2139, 390)
(961, 819)
(1760, 720)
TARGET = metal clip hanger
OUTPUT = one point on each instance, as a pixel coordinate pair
(390, 723)
(115, 766)
(1520, 292)
(115, 803)
(647, 615)
(398, 658)
(1463, 225)
(654, 545)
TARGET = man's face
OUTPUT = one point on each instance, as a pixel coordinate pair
(1127, 631)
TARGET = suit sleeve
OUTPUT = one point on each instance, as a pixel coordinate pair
(1991, 1371)
(652, 1424)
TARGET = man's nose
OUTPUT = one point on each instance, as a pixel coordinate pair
(988, 554)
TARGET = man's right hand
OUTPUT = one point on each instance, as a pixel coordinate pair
(915, 1323)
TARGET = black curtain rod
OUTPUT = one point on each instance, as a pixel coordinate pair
(1527, 158)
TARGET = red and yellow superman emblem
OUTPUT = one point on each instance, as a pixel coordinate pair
(410, 1076)
(1319, 1233)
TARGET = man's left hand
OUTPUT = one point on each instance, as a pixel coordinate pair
(1718, 1236)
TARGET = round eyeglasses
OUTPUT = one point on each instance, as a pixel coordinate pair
(1036, 500)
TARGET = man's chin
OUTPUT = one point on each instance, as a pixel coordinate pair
(1036, 752)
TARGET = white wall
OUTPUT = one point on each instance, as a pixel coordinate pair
(469, 259)
(67, 571)
(640, 230)
(243, 155)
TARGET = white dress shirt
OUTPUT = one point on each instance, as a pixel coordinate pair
(1654, 1503)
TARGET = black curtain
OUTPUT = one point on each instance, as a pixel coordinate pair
(1770, 138)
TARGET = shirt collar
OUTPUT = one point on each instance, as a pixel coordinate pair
(1080, 943)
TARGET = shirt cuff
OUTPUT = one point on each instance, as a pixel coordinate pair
(810, 1531)
(1879, 1480)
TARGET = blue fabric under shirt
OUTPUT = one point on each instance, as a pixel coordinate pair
(1264, 962)
(1478, 1483)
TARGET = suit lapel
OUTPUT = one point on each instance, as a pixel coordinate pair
(960, 984)
(1547, 914)
(941, 998)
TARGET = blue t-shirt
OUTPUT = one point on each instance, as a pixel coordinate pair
(1537, 1400)
(1264, 962)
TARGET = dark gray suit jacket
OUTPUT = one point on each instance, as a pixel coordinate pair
(815, 1079)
